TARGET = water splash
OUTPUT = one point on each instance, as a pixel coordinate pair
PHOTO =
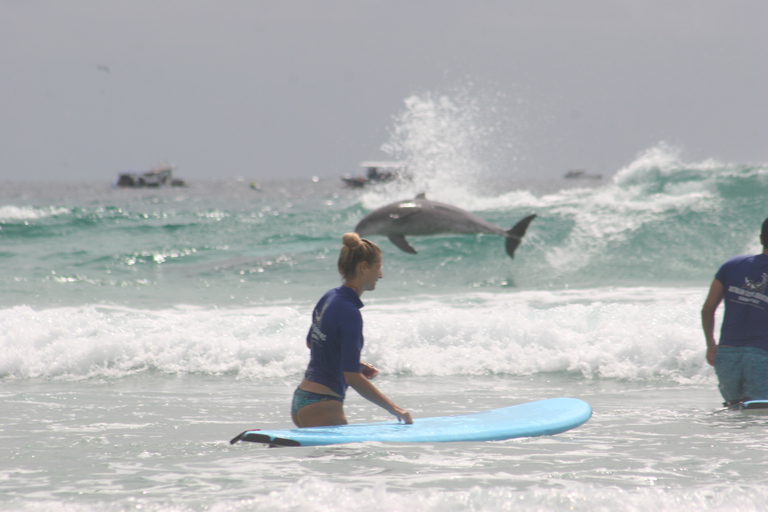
(452, 143)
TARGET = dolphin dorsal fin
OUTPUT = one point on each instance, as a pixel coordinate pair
(422, 195)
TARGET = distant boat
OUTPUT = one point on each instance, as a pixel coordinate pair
(582, 174)
(161, 176)
(376, 172)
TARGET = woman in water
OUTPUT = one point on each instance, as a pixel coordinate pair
(335, 341)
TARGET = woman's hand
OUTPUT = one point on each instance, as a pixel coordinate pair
(368, 390)
(368, 370)
(402, 415)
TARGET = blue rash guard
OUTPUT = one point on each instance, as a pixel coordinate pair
(335, 339)
(745, 323)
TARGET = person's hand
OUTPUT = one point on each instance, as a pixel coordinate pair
(402, 415)
(711, 351)
(368, 370)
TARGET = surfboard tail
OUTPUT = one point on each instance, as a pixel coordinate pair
(237, 437)
(254, 436)
(515, 235)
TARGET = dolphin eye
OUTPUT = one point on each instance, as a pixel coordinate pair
(394, 216)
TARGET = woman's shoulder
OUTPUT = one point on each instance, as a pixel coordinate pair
(341, 298)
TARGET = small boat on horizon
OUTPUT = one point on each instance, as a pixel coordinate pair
(581, 174)
(160, 176)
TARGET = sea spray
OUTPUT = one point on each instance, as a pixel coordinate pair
(454, 142)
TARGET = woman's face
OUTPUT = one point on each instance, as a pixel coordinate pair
(370, 273)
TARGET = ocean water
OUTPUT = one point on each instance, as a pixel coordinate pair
(140, 330)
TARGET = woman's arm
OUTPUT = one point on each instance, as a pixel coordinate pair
(368, 391)
(715, 296)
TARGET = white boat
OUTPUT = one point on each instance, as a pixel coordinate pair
(376, 172)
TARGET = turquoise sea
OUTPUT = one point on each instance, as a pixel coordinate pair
(140, 330)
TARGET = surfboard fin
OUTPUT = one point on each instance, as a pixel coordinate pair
(402, 244)
(515, 235)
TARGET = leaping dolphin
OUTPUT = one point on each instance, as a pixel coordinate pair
(421, 216)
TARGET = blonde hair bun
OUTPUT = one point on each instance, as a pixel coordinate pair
(351, 240)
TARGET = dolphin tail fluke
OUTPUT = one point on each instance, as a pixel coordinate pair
(515, 235)
(402, 244)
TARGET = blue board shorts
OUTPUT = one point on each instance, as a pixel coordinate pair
(742, 372)
(303, 398)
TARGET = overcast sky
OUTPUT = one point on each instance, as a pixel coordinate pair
(289, 88)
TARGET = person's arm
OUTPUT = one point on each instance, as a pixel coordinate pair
(362, 385)
(715, 296)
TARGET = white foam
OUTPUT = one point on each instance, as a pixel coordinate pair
(15, 213)
(634, 333)
(597, 334)
(560, 491)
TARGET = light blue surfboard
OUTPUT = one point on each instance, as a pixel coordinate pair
(757, 407)
(541, 418)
